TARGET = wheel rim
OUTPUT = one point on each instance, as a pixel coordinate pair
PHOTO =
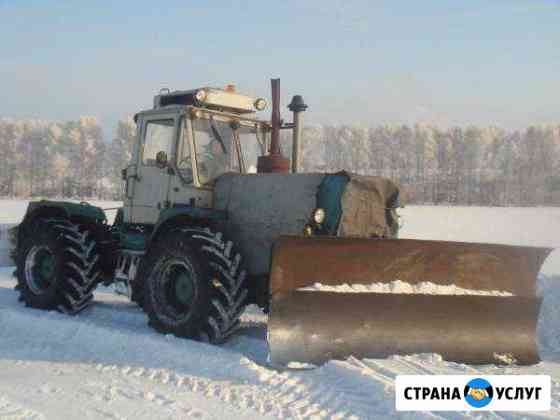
(40, 268)
(177, 288)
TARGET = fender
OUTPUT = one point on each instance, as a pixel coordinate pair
(83, 212)
(188, 215)
(78, 211)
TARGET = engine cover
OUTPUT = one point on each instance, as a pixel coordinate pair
(261, 207)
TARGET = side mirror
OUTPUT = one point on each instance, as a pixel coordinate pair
(161, 159)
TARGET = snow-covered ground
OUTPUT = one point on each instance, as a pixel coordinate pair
(107, 363)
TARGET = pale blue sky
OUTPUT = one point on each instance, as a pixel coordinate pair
(366, 62)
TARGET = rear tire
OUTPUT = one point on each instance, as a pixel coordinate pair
(194, 285)
(57, 265)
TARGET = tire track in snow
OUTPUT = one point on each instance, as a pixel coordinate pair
(239, 396)
(13, 411)
(423, 364)
(375, 372)
(98, 336)
(282, 395)
(322, 393)
(328, 391)
(299, 391)
(114, 338)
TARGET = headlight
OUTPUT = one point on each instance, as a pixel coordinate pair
(319, 215)
(307, 230)
(200, 95)
(260, 104)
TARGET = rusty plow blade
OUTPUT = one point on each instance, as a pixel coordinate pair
(488, 313)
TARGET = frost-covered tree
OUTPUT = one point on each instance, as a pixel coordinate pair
(120, 153)
(471, 165)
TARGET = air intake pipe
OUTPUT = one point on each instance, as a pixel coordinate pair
(297, 106)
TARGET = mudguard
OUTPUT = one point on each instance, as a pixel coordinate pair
(194, 215)
(83, 211)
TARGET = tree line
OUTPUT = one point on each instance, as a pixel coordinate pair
(470, 166)
(460, 165)
(62, 159)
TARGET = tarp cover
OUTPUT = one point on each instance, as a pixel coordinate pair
(368, 205)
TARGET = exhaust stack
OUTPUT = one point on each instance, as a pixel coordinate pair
(274, 162)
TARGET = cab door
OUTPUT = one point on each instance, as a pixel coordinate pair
(151, 186)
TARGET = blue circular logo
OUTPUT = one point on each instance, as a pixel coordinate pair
(478, 393)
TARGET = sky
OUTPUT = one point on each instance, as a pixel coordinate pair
(484, 62)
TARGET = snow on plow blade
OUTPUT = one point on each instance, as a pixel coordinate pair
(315, 326)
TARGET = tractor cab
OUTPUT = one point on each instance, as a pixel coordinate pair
(185, 143)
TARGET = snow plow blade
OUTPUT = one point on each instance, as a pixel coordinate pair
(476, 325)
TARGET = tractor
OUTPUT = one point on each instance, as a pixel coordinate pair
(215, 217)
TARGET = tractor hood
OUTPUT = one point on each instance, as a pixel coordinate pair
(261, 207)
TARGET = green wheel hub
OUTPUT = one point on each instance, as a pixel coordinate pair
(40, 268)
(184, 288)
(178, 288)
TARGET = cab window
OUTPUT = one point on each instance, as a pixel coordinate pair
(159, 137)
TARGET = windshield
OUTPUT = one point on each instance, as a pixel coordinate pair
(216, 149)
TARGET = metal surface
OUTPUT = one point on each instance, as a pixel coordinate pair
(260, 208)
(296, 140)
(212, 98)
(238, 151)
(275, 119)
(39, 269)
(126, 268)
(274, 162)
(176, 289)
(71, 210)
(298, 262)
(151, 185)
(297, 106)
(226, 116)
(314, 327)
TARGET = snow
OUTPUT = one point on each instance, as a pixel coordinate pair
(107, 363)
(548, 331)
(398, 286)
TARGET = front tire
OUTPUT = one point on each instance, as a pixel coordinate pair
(194, 285)
(57, 265)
